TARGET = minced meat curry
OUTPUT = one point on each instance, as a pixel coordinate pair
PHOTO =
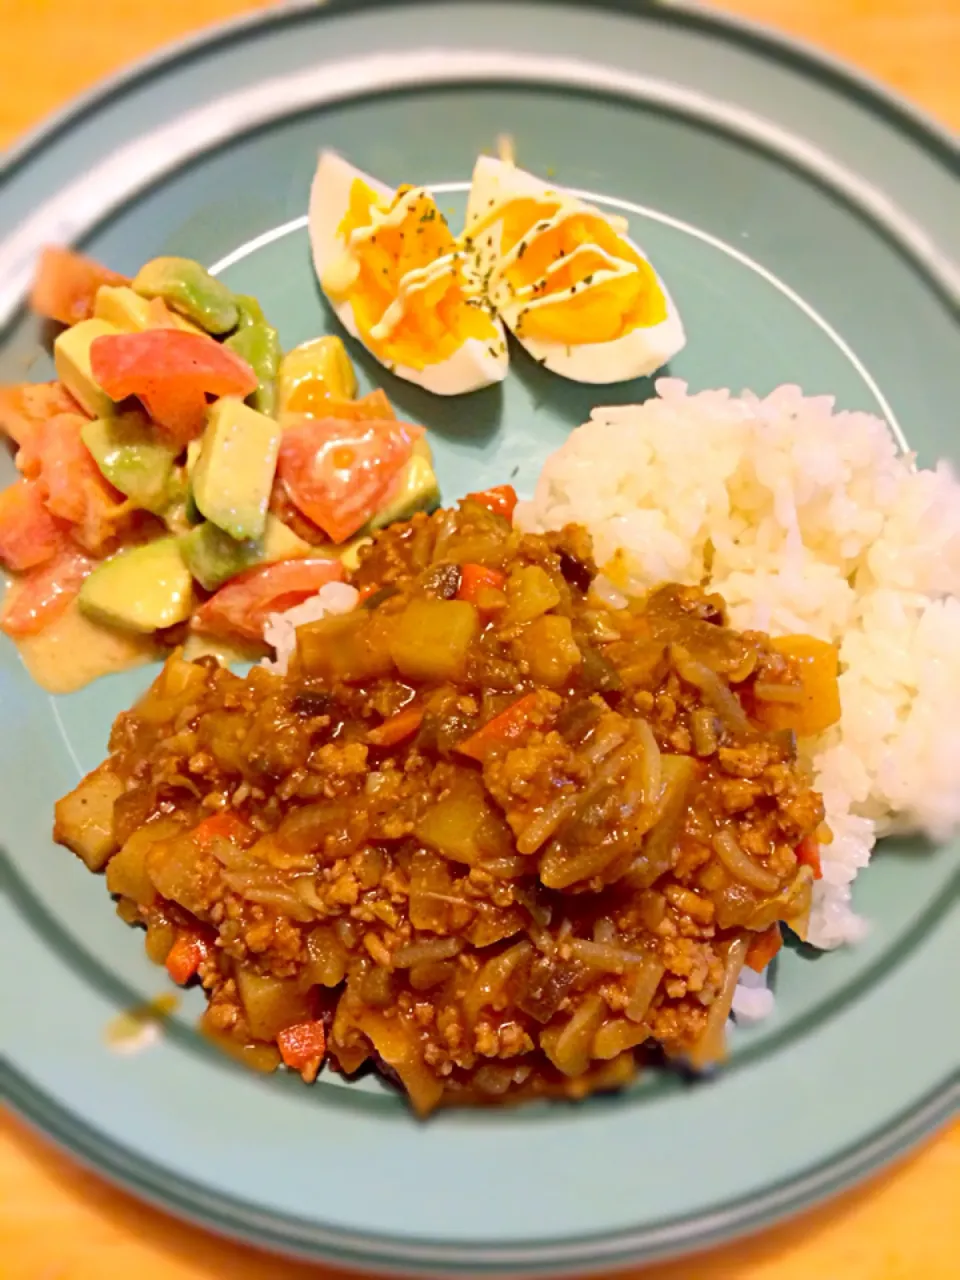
(489, 833)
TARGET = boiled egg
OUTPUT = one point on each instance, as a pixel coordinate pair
(566, 279)
(394, 274)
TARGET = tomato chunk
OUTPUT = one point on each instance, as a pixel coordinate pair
(302, 1047)
(65, 286)
(339, 473)
(241, 607)
(501, 500)
(186, 956)
(29, 535)
(25, 406)
(42, 594)
(172, 373)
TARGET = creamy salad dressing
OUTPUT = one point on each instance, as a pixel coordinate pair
(72, 651)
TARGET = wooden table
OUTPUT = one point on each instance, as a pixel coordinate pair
(59, 1222)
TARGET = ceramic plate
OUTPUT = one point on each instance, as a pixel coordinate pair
(807, 225)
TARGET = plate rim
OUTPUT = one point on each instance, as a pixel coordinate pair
(228, 1215)
(733, 27)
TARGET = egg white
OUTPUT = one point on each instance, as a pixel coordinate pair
(638, 353)
(473, 365)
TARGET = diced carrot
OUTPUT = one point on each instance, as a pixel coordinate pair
(185, 957)
(225, 825)
(396, 727)
(503, 729)
(172, 373)
(473, 577)
(65, 286)
(808, 855)
(303, 1046)
(29, 535)
(763, 947)
(501, 500)
(41, 594)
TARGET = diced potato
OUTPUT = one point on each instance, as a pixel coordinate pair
(127, 869)
(271, 1004)
(176, 868)
(530, 593)
(464, 828)
(83, 820)
(550, 650)
(432, 638)
(349, 647)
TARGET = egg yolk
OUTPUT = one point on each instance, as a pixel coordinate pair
(603, 288)
(407, 288)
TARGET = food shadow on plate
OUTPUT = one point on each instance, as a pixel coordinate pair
(472, 418)
(573, 402)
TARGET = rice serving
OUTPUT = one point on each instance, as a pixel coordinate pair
(805, 520)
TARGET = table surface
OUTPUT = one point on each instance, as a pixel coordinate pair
(60, 1222)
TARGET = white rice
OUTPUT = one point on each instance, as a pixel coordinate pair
(280, 629)
(817, 524)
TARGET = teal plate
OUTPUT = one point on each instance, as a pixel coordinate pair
(808, 226)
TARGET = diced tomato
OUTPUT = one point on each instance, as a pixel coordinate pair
(310, 399)
(172, 372)
(41, 595)
(65, 286)
(808, 855)
(500, 500)
(241, 607)
(29, 535)
(339, 474)
(303, 1046)
(474, 577)
(26, 405)
(75, 489)
(186, 956)
(507, 727)
(763, 947)
(396, 727)
(225, 825)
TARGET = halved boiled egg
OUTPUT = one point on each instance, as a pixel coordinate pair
(394, 274)
(565, 278)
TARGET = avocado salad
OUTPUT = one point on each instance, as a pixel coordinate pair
(183, 474)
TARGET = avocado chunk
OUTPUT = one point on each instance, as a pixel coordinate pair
(213, 557)
(321, 360)
(143, 588)
(259, 344)
(131, 455)
(233, 475)
(120, 306)
(418, 489)
(71, 355)
(189, 289)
